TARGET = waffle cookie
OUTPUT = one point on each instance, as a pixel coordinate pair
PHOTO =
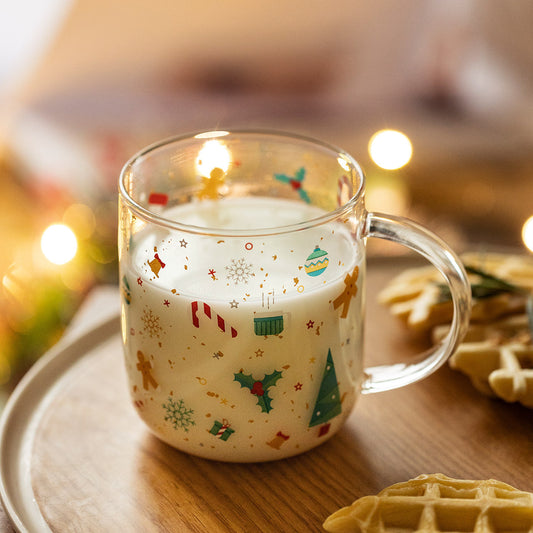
(436, 503)
(417, 298)
(497, 357)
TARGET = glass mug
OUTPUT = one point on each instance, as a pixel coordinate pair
(242, 271)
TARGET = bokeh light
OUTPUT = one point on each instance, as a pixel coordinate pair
(386, 192)
(390, 149)
(59, 244)
(527, 233)
(213, 154)
(81, 219)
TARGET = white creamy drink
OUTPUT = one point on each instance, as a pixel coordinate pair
(241, 348)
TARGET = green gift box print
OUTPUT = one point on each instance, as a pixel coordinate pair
(221, 430)
(268, 324)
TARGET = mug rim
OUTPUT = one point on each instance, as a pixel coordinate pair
(157, 219)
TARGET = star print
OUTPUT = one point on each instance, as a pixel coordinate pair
(140, 281)
(298, 386)
(183, 243)
(223, 401)
(259, 353)
(167, 303)
(312, 359)
(234, 304)
(212, 273)
(310, 324)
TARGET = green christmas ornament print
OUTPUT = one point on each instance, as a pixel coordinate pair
(328, 401)
(259, 388)
(316, 262)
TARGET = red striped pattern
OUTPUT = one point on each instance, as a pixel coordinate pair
(221, 323)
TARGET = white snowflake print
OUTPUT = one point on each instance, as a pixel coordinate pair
(239, 271)
(178, 414)
(151, 323)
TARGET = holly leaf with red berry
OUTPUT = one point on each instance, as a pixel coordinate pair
(259, 388)
(296, 182)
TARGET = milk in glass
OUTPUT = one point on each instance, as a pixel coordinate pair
(241, 347)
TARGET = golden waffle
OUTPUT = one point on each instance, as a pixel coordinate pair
(497, 357)
(415, 297)
(433, 503)
(513, 382)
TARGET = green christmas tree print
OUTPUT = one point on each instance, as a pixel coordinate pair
(259, 388)
(328, 401)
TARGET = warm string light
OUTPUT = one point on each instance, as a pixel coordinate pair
(213, 154)
(390, 149)
(527, 233)
(59, 244)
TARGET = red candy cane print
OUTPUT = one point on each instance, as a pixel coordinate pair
(344, 190)
(221, 323)
(222, 430)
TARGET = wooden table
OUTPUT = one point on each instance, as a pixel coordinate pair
(94, 466)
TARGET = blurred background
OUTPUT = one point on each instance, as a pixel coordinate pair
(85, 84)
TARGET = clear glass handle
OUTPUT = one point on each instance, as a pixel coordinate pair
(437, 252)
